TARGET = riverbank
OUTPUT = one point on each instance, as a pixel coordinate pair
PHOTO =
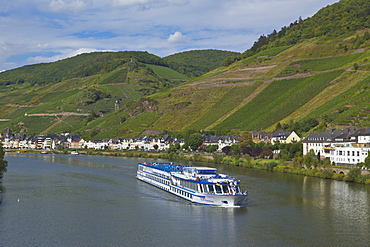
(329, 172)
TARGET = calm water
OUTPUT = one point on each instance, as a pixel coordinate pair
(97, 201)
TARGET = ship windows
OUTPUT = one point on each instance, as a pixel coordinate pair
(218, 189)
(201, 188)
(189, 184)
(225, 188)
(204, 187)
(210, 188)
(237, 189)
(207, 172)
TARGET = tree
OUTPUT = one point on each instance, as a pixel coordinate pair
(217, 158)
(266, 153)
(256, 152)
(310, 159)
(195, 140)
(177, 146)
(226, 149)
(367, 161)
(3, 163)
(326, 162)
(245, 140)
(246, 150)
(211, 148)
(236, 151)
(352, 175)
(278, 126)
(284, 154)
(355, 66)
(155, 146)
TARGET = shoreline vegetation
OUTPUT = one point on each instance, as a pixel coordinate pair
(296, 166)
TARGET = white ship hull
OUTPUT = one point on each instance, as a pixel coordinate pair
(167, 181)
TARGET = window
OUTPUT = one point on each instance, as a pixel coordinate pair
(211, 188)
(237, 189)
(204, 187)
(218, 189)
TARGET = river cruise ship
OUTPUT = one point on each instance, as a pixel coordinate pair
(201, 185)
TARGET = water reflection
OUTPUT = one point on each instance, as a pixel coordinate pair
(97, 201)
(65, 159)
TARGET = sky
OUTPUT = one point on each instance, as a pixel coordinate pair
(39, 31)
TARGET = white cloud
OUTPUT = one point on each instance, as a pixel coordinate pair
(176, 38)
(66, 53)
(129, 2)
(36, 30)
(148, 4)
(69, 5)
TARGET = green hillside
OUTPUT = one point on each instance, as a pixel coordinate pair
(196, 63)
(80, 66)
(73, 101)
(310, 71)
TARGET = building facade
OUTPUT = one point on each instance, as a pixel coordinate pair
(342, 146)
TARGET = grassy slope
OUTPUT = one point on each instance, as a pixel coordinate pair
(20, 103)
(324, 72)
(277, 101)
(314, 78)
(196, 63)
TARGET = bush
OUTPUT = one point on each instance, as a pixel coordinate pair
(271, 165)
(338, 177)
(326, 173)
(217, 158)
(352, 175)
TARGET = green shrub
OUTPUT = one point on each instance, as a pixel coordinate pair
(271, 165)
(327, 173)
(338, 177)
(217, 158)
(352, 175)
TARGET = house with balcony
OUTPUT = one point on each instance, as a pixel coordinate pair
(220, 141)
(281, 136)
(342, 146)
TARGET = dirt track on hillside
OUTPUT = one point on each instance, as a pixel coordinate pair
(58, 114)
(240, 77)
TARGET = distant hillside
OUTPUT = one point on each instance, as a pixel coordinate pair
(67, 95)
(340, 19)
(197, 63)
(80, 66)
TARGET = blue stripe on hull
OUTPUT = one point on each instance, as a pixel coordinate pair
(153, 182)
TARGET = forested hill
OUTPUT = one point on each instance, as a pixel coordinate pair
(199, 62)
(340, 19)
(80, 66)
(194, 63)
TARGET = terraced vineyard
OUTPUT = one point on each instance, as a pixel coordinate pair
(316, 68)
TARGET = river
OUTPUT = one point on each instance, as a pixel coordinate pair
(65, 200)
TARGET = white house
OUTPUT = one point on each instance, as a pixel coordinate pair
(281, 136)
(343, 146)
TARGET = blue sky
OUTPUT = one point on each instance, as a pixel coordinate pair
(36, 31)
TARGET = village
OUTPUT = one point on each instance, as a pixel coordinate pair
(342, 146)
